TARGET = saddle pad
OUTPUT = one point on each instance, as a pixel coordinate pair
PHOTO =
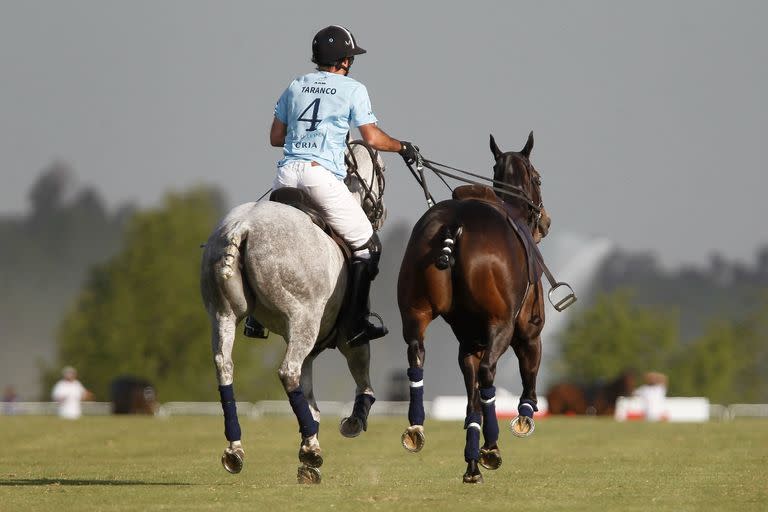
(531, 250)
(487, 195)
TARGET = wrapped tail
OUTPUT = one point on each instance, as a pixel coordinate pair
(450, 236)
(232, 236)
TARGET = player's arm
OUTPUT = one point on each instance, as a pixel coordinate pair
(378, 139)
(277, 133)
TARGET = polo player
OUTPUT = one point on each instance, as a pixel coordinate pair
(312, 119)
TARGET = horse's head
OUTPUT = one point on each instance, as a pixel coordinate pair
(365, 179)
(523, 186)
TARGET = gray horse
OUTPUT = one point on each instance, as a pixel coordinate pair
(270, 260)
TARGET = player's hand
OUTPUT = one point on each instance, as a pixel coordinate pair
(409, 152)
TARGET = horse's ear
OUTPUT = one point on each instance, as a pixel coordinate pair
(495, 149)
(528, 146)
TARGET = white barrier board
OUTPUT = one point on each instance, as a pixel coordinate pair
(682, 409)
(455, 407)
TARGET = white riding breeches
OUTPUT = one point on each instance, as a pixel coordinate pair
(339, 207)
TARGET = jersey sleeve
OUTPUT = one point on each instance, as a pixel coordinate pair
(362, 112)
(281, 108)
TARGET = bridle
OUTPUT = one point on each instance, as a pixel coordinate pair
(376, 201)
(534, 212)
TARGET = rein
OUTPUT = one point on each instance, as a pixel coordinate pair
(375, 200)
(499, 186)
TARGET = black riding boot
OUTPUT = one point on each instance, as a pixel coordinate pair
(253, 329)
(361, 330)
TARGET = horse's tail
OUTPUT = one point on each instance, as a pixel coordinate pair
(220, 266)
(450, 236)
(234, 236)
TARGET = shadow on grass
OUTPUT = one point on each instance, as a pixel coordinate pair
(76, 481)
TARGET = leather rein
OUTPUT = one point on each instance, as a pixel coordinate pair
(376, 200)
(498, 186)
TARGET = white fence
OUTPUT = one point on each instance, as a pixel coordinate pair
(51, 408)
(435, 410)
(244, 409)
(279, 408)
(672, 409)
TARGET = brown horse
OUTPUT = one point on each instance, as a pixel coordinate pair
(472, 260)
(598, 398)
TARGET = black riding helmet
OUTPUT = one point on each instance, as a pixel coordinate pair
(333, 44)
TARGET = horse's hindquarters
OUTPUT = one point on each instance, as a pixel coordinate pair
(292, 268)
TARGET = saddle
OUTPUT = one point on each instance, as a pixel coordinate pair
(302, 201)
(488, 196)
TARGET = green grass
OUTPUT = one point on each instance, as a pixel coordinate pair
(119, 463)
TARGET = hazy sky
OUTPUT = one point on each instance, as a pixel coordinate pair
(650, 117)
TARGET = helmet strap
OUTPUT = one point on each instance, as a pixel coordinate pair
(344, 68)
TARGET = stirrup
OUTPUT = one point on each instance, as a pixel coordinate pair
(369, 331)
(253, 329)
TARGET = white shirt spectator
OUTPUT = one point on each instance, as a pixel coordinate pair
(69, 393)
(654, 396)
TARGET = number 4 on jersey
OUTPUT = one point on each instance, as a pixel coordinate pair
(314, 121)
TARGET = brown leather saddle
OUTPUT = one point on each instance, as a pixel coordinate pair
(523, 231)
(302, 201)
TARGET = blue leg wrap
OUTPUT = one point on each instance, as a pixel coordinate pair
(472, 447)
(228, 405)
(490, 423)
(416, 406)
(527, 407)
(307, 424)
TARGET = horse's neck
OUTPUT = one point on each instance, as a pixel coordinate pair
(357, 188)
(364, 167)
(366, 186)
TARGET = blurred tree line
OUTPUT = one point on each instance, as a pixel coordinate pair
(728, 362)
(44, 258)
(126, 285)
(141, 314)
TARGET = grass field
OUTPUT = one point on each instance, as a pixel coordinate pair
(119, 463)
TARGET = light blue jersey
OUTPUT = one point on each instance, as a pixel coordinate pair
(319, 108)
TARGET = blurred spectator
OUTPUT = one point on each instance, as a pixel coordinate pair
(9, 398)
(654, 395)
(69, 392)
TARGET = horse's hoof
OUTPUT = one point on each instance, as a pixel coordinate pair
(470, 478)
(522, 426)
(351, 426)
(413, 438)
(232, 460)
(310, 458)
(308, 475)
(490, 459)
